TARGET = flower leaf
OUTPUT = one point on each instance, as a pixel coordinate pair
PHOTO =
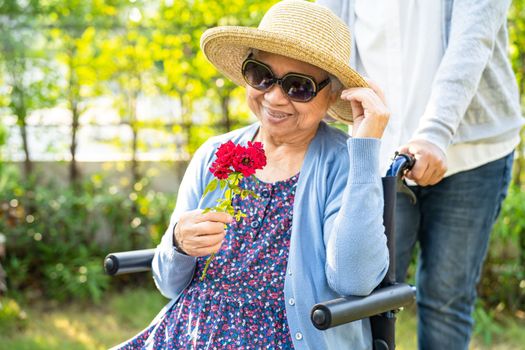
(211, 187)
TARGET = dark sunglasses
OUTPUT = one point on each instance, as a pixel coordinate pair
(298, 87)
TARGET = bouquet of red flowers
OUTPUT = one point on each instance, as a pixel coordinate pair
(232, 164)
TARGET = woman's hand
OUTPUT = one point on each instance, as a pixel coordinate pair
(198, 234)
(368, 110)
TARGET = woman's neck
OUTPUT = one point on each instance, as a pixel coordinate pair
(284, 157)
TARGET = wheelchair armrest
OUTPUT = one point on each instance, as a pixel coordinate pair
(344, 310)
(128, 262)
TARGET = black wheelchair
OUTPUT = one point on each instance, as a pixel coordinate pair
(380, 306)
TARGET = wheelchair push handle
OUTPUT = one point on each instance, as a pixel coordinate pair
(128, 262)
(402, 163)
(344, 310)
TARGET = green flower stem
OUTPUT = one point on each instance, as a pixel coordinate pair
(226, 206)
(208, 261)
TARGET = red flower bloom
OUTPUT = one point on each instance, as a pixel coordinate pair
(226, 152)
(249, 159)
(245, 160)
(221, 167)
(220, 171)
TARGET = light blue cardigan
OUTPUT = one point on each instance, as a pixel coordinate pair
(337, 247)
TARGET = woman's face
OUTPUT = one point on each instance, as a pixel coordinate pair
(279, 116)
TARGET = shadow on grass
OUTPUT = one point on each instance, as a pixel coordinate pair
(123, 315)
(83, 327)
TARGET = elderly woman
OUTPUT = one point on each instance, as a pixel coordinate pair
(315, 231)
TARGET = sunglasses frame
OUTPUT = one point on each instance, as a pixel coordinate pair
(279, 81)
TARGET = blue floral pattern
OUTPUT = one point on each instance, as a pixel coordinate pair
(240, 303)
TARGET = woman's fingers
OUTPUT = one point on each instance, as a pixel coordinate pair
(203, 245)
(369, 111)
(208, 228)
(375, 87)
(208, 250)
(198, 233)
(214, 216)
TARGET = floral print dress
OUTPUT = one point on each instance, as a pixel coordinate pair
(240, 302)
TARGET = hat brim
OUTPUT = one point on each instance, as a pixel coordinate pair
(226, 48)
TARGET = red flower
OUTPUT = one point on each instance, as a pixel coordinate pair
(231, 157)
(249, 159)
(221, 167)
(221, 172)
(226, 152)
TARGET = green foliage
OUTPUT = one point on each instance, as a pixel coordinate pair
(57, 236)
(516, 20)
(505, 264)
(3, 137)
(12, 317)
(485, 325)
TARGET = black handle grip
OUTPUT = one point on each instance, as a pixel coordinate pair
(128, 262)
(344, 310)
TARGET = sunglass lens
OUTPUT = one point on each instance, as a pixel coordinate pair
(299, 88)
(257, 75)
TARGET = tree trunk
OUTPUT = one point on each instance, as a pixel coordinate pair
(20, 110)
(74, 174)
(28, 164)
(73, 98)
(135, 172)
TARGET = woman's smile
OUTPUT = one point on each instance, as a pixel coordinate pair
(274, 115)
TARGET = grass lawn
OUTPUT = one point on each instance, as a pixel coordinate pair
(79, 326)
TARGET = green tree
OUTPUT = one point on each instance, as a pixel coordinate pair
(127, 61)
(28, 73)
(517, 54)
(74, 26)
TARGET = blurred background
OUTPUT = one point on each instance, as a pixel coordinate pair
(102, 104)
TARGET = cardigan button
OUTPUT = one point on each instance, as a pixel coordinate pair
(291, 301)
(298, 336)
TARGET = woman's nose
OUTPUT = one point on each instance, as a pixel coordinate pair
(276, 95)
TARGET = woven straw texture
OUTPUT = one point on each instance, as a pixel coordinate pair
(293, 28)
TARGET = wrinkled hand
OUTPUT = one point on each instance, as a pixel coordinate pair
(431, 162)
(198, 234)
(368, 110)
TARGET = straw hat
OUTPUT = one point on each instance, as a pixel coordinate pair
(297, 29)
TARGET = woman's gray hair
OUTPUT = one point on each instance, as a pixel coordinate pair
(336, 84)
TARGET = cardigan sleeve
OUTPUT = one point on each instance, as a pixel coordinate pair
(473, 34)
(172, 270)
(356, 251)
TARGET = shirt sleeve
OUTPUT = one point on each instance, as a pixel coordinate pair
(474, 27)
(172, 270)
(356, 251)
